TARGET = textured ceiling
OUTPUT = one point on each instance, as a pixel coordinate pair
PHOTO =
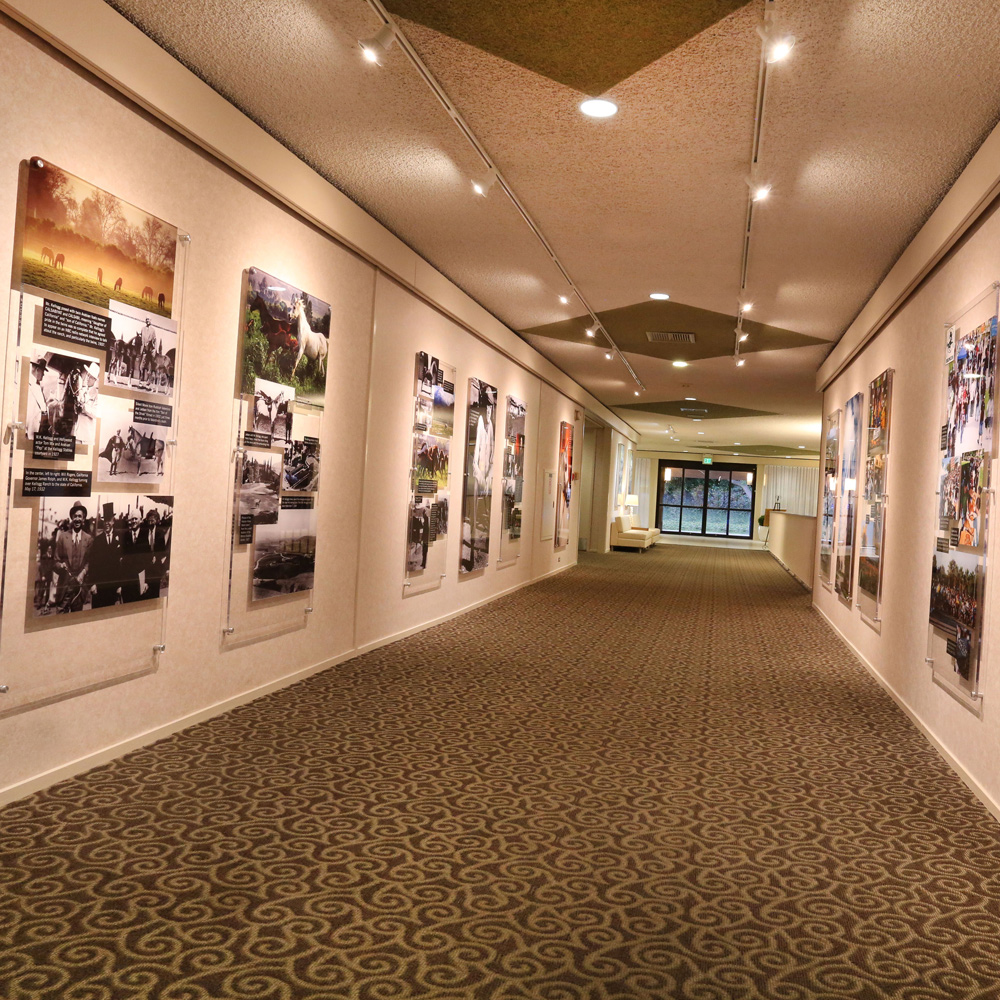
(588, 45)
(866, 126)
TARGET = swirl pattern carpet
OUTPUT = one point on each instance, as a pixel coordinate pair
(656, 775)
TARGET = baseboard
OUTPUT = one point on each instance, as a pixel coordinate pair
(441, 619)
(86, 763)
(980, 793)
(794, 576)
(39, 782)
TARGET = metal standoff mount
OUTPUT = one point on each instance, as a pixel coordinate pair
(308, 611)
(229, 630)
(406, 583)
(15, 425)
(159, 647)
(184, 237)
(929, 660)
(4, 688)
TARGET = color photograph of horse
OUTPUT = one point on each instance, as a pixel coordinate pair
(142, 350)
(87, 244)
(128, 451)
(286, 337)
(62, 396)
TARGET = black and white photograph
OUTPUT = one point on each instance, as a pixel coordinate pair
(513, 473)
(129, 451)
(300, 468)
(260, 479)
(419, 537)
(478, 499)
(101, 551)
(272, 411)
(62, 395)
(142, 350)
(284, 554)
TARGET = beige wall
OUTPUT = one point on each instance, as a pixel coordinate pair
(913, 344)
(791, 539)
(53, 110)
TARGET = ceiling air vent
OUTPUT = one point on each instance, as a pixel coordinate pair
(670, 337)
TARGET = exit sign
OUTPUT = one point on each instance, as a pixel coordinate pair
(706, 459)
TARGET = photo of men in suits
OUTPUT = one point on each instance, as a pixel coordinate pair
(118, 555)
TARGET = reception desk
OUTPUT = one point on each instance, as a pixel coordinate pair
(792, 541)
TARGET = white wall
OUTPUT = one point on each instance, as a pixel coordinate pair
(52, 109)
(913, 344)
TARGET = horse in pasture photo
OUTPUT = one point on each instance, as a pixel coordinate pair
(47, 255)
(60, 261)
(100, 276)
(161, 299)
(147, 293)
(118, 285)
(310, 343)
(277, 332)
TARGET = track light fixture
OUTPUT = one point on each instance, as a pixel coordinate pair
(375, 49)
(483, 188)
(608, 355)
(777, 46)
(564, 299)
(590, 331)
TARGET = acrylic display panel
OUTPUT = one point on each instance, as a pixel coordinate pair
(619, 495)
(564, 485)
(277, 429)
(513, 481)
(92, 386)
(477, 504)
(848, 497)
(429, 493)
(967, 453)
(831, 458)
(872, 506)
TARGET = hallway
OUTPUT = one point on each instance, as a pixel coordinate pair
(655, 775)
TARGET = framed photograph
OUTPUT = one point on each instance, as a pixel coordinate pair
(62, 395)
(478, 499)
(286, 338)
(88, 244)
(142, 350)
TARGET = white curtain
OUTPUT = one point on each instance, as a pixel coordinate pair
(641, 487)
(796, 487)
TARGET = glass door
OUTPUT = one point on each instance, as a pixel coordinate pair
(706, 500)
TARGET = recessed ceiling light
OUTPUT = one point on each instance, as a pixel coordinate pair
(608, 355)
(701, 432)
(590, 332)
(741, 362)
(599, 107)
(690, 399)
(696, 420)
(736, 444)
(802, 446)
(637, 392)
(659, 296)
(779, 49)
(680, 364)
(563, 300)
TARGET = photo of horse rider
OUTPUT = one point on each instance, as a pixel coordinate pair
(62, 396)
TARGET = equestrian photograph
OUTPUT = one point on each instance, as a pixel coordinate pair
(87, 244)
(141, 351)
(62, 396)
(271, 412)
(129, 451)
(101, 551)
(286, 338)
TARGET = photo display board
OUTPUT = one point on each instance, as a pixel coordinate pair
(277, 457)
(967, 453)
(513, 480)
(848, 496)
(874, 499)
(831, 458)
(430, 475)
(619, 493)
(564, 484)
(478, 499)
(93, 381)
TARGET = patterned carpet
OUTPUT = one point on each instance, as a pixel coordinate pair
(657, 775)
